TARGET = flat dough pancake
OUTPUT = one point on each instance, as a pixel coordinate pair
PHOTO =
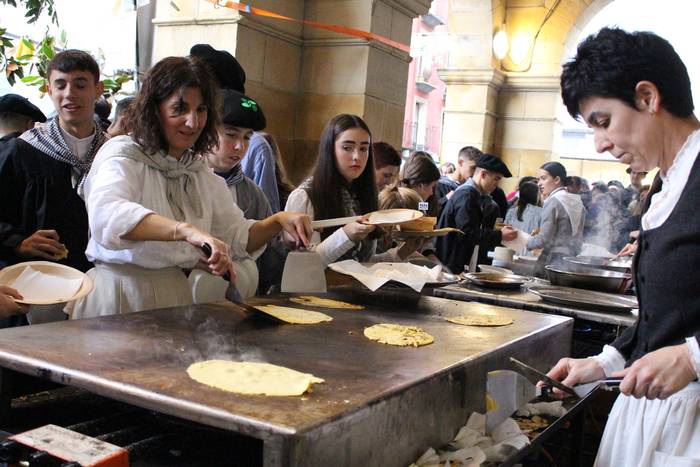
(324, 302)
(252, 378)
(396, 334)
(481, 320)
(294, 315)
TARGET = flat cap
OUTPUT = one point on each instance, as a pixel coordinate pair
(242, 111)
(20, 105)
(493, 164)
(227, 71)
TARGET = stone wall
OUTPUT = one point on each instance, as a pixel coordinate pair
(304, 76)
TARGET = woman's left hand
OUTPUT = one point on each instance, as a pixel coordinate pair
(297, 225)
(658, 374)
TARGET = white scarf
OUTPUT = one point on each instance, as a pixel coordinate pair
(572, 205)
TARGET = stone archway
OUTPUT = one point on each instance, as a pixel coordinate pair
(506, 107)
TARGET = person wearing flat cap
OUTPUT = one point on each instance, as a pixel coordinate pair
(465, 211)
(17, 115)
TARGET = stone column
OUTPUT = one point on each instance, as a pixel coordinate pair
(304, 76)
(527, 121)
(351, 75)
(469, 118)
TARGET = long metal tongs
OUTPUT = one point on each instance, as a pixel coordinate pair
(578, 391)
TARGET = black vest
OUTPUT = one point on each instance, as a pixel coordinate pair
(666, 269)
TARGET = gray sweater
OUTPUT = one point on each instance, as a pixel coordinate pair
(556, 235)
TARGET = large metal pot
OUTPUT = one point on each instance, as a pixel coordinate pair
(601, 263)
(583, 277)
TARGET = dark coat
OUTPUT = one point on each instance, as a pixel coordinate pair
(464, 211)
(36, 193)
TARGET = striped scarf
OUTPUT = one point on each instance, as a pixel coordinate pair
(233, 177)
(48, 139)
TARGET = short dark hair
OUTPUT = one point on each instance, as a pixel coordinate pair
(385, 154)
(103, 108)
(13, 121)
(122, 106)
(529, 194)
(169, 76)
(73, 60)
(324, 190)
(419, 168)
(470, 153)
(526, 179)
(555, 169)
(610, 64)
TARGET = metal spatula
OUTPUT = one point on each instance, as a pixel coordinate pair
(303, 272)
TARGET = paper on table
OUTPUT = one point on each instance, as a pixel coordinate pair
(379, 274)
(35, 285)
(519, 244)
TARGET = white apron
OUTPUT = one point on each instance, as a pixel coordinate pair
(653, 433)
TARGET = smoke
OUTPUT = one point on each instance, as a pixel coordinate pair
(207, 338)
(606, 222)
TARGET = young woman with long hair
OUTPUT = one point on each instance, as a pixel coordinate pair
(342, 184)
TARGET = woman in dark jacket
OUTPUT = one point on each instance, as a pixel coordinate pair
(633, 90)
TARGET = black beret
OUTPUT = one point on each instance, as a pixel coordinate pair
(20, 105)
(242, 111)
(227, 71)
(493, 164)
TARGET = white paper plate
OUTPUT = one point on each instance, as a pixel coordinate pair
(393, 216)
(10, 273)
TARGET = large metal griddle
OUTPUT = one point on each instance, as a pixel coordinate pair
(380, 405)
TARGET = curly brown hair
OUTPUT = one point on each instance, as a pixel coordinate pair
(168, 76)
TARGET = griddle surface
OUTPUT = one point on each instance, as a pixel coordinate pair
(141, 358)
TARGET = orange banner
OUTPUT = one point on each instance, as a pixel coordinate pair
(244, 8)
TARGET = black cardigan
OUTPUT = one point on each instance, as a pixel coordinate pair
(666, 276)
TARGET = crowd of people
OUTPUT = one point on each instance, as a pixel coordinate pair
(105, 196)
(183, 199)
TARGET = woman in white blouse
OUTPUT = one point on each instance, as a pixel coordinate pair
(633, 91)
(342, 184)
(153, 203)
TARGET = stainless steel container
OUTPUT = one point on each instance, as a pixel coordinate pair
(584, 277)
(600, 263)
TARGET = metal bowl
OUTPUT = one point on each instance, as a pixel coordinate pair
(601, 263)
(583, 277)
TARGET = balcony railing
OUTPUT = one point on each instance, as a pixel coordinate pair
(415, 140)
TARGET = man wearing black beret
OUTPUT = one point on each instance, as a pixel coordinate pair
(17, 115)
(464, 211)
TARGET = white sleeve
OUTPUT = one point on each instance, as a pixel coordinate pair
(694, 354)
(112, 194)
(335, 245)
(610, 359)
